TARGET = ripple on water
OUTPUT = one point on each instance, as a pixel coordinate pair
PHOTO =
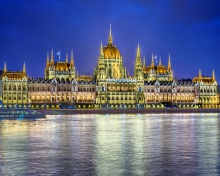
(127, 144)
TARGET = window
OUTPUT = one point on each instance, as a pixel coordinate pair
(102, 88)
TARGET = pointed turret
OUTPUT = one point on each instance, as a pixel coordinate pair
(67, 58)
(48, 61)
(138, 69)
(24, 69)
(160, 63)
(72, 60)
(138, 62)
(213, 74)
(169, 63)
(52, 58)
(144, 65)
(101, 50)
(110, 39)
(152, 61)
(5, 68)
(200, 73)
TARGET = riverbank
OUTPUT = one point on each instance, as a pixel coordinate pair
(126, 111)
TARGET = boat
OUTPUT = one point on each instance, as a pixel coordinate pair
(20, 114)
(169, 105)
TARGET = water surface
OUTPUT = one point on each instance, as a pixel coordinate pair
(146, 144)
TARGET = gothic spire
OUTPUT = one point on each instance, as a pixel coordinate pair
(110, 39)
(138, 51)
(5, 69)
(72, 60)
(52, 58)
(24, 69)
(169, 63)
(47, 62)
(213, 74)
(101, 50)
(160, 63)
(152, 61)
(144, 65)
(200, 73)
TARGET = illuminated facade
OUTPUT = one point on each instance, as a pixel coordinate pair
(208, 90)
(110, 86)
(14, 87)
(62, 70)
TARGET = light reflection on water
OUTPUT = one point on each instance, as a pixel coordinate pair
(143, 144)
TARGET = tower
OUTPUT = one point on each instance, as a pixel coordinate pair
(72, 67)
(138, 71)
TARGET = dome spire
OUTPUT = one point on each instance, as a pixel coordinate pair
(110, 39)
(138, 51)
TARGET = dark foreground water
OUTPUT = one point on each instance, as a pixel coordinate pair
(158, 144)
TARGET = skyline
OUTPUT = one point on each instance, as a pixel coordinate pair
(188, 30)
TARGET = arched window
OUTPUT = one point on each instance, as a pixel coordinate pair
(14, 87)
(5, 88)
(102, 88)
(139, 89)
(9, 88)
(19, 87)
(24, 87)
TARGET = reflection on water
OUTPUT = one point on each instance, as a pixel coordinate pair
(148, 144)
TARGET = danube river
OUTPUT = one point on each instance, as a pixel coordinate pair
(142, 144)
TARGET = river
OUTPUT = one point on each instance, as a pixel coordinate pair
(119, 144)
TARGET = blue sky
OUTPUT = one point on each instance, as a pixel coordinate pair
(187, 29)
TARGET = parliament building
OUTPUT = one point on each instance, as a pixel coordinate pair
(109, 87)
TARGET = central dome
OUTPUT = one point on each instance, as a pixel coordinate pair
(111, 52)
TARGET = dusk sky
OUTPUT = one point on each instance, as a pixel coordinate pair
(187, 29)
